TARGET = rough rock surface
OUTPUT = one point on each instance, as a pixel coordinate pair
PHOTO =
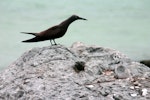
(77, 73)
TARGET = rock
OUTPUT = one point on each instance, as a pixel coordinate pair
(80, 72)
(143, 92)
(122, 72)
(133, 94)
(145, 62)
(117, 97)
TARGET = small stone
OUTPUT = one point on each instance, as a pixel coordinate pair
(117, 97)
(136, 87)
(133, 94)
(143, 92)
(34, 64)
(90, 86)
(132, 87)
(108, 72)
(19, 94)
(104, 93)
(121, 72)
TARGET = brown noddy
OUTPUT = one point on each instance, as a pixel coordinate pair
(53, 32)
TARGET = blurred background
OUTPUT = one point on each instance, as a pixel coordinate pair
(123, 25)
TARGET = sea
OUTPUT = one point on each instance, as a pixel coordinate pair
(123, 25)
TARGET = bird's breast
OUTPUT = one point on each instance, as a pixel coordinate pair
(61, 33)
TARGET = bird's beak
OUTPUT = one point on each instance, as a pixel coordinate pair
(82, 18)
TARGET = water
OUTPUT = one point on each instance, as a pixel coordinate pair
(119, 24)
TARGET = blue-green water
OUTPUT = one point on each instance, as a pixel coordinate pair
(119, 24)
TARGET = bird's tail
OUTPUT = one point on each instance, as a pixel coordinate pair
(35, 39)
(35, 34)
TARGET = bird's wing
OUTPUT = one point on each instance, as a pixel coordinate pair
(35, 34)
(51, 31)
(35, 39)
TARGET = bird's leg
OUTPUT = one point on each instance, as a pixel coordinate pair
(51, 42)
(54, 41)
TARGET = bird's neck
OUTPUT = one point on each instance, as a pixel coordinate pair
(67, 22)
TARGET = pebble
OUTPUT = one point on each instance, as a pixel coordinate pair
(133, 94)
(132, 87)
(144, 92)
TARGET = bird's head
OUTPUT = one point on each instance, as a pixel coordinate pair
(75, 17)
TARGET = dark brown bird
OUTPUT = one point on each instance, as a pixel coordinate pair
(53, 32)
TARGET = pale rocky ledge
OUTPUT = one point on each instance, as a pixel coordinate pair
(79, 72)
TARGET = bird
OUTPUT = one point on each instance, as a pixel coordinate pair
(53, 32)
